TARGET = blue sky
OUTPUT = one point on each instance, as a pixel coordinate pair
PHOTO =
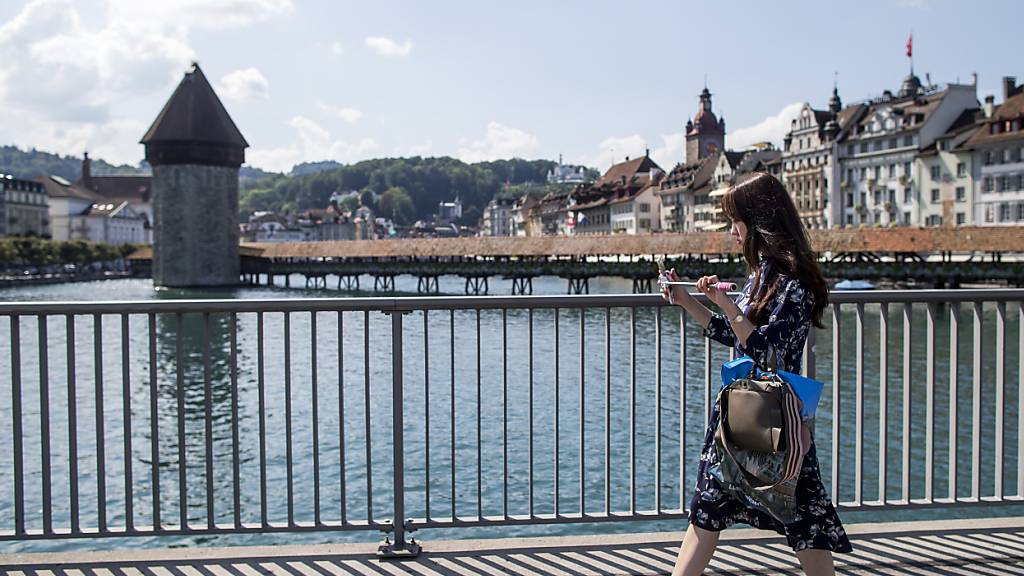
(595, 81)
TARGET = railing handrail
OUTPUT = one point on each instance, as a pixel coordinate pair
(469, 302)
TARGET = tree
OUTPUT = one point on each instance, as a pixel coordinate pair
(366, 199)
(395, 203)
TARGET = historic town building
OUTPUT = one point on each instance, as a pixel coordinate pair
(621, 201)
(133, 189)
(496, 219)
(880, 179)
(808, 161)
(946, 169)
(78, 213)
(998, 150)
(690, 182)
(24, 208)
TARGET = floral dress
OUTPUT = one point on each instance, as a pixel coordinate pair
(712, 508)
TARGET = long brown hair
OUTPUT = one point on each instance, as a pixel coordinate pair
(775, 233)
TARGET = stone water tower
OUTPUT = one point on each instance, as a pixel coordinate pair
(195, 150)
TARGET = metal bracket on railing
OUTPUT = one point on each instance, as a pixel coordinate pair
(398, 548)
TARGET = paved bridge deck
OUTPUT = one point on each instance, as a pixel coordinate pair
(989, 547)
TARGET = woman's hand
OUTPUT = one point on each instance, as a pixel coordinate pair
(707, 286)
(673, 294)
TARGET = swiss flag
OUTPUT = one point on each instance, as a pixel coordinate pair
(910, 46)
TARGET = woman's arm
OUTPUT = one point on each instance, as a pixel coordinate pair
(715, 326)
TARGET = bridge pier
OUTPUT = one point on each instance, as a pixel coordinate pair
(348, 282)
(384, 283)
(427, 285)
(316, 281)
(641, 285)
(476, 285)
(522, 286)
(579, 286)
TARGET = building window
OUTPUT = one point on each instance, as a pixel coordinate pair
(849, 150)
(849, 219)
(906, 217)
(878, 172)
(906, 169)
(1020, 211)
(892, 170)
(935, 194)
(990, 213)
(936, 173)
(961, 170)
(878, 196)
(986, 184)
(961, 218)
(849, 199)
(961, 194)
(878, 144)
(863, 147)
(864, 173)
(645, 207)
(908, 140)
(892, 143)
(849, 174)
(1004, 212)
(892, 195)
(906, 195)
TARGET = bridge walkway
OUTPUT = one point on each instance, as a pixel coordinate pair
(958, 547)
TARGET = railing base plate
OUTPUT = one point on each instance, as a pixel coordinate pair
(387, 550)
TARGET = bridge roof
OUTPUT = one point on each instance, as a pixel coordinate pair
(905, 240)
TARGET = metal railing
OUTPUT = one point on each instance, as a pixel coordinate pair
(233, 416)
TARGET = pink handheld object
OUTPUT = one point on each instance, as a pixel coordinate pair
(724, 286)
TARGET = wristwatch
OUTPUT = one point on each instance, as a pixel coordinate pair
(739, 318)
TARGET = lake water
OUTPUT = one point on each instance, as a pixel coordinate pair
(341, 358)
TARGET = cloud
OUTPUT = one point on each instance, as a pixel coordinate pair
(387, 47)
(913, 3)
(500, 142)
(346, 114)
(187, 14)
(337, 48)
(244, 85)
(315, 143)
(84, 79)
(614, 149)
(771, 129)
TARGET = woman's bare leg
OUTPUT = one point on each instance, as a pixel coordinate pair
(695, 552)
(816, 562)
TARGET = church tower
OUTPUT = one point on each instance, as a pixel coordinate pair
(195, 150)
(705, 134)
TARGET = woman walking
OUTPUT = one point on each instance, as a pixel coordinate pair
(784, 295)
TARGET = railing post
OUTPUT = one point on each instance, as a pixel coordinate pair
(399, 548)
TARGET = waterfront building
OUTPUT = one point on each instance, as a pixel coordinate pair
(880, 179)
(549, 216)
(521, 215)
(998, 151)
(496, 219)
(195, 150)
(78, 213)
(809, 160)
(688, 184)
(565, 174)
(24, 208)
(135, 189)
(946, 170)
(448, 212)
(324, 224)
(619, 201)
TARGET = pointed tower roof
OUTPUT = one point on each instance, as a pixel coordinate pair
(194, 127)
